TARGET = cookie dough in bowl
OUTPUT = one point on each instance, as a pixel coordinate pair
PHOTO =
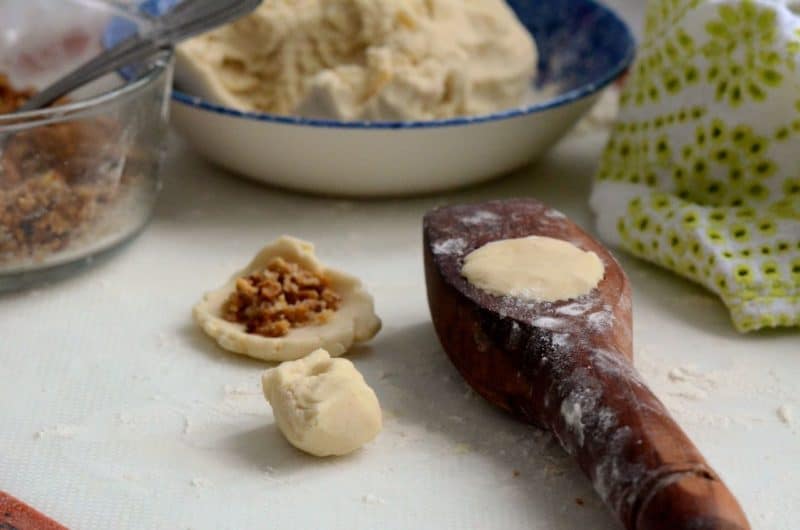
(286, 304)
(384, 60)
(581, 47)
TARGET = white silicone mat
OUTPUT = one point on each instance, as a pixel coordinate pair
(118, 413)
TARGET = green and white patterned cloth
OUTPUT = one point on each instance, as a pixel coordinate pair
(701, 174)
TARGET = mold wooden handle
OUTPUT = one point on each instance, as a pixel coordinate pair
(567, 367)
(16, 515)
(641, 462)
(691, 501)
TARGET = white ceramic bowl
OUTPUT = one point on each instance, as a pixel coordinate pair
(583, 47)
(373, 161)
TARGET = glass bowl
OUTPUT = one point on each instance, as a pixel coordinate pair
(79, 178)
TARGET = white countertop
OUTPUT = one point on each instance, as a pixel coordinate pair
(119, 413)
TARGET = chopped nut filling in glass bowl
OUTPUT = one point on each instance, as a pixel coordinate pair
(82, 176)
(281, 297)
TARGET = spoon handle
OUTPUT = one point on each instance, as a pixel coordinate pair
(645, 468)
(130, 50)
(186, 19)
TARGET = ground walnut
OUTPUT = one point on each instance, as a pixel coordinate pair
(282, 296)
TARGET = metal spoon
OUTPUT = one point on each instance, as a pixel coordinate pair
(185, 20)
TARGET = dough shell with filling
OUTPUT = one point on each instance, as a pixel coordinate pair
(355, 321)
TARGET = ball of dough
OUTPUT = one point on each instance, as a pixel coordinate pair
(322, 405)
(536, 268)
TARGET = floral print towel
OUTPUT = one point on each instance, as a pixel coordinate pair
(701, 174)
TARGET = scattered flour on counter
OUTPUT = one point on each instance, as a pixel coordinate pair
(690, 374)
(785, 414)
(678, 388)
(124, 418)
(691, 394)
(165, 341)
(58, 431)
(371, 498)
(187, 425)
(771, 505)
(201, 482)
(240, 389)
(684, 388)
(271, 475)
(677, 374)
(689, 383)
(246, 398)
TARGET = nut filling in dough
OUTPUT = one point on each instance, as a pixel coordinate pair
(281, 297)
(534, 268)
(322, 406)
(286, 322)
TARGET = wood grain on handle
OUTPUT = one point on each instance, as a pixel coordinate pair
(643, 464)
(16, 515)
(567, 367)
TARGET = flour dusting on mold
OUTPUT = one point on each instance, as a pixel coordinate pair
(480, 217)
(554, 214)
(614, 469)
(575, 308)
(449, 246)
(548, 323)
(614, 363)
(601, 320)
(515, 336)
(572, 413)
(577, 343)
(561, 340)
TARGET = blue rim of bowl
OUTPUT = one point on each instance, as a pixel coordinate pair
(566, 98)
